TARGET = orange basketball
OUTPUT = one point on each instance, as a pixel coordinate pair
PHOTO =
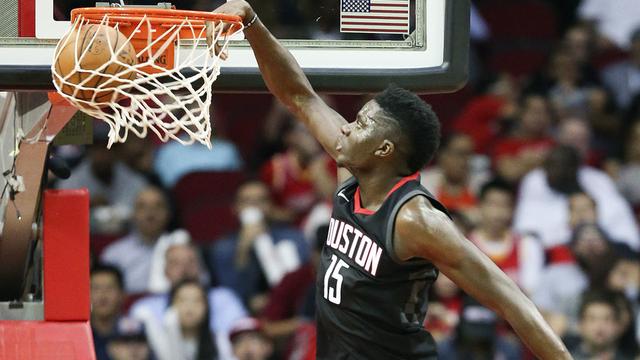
(89, 48)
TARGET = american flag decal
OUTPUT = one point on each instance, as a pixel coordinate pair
(374, 16)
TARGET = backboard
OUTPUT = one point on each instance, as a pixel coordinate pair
(344, 46)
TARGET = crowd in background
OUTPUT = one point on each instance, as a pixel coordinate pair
(211, 254)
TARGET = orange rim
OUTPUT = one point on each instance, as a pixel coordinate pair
(126, 16)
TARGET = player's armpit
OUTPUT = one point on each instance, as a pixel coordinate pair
(423, 231)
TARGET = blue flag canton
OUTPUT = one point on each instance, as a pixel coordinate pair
(362, 6)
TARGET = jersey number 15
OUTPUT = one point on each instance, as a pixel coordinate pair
(334, 293)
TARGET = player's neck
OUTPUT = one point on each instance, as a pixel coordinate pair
(374, 188)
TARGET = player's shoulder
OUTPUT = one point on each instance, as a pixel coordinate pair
(418, 215)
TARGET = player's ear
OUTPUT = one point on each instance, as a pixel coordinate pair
(385, 149)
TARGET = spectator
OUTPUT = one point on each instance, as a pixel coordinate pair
(133, 253)
(174, 160)
(299, 177)
(520, 257)
(139, 155)
(629, 175)
(112, 185)
(477, 338)
(452, 180)
(599, 328)
(107, 295)
(445, 306)
(130, 342)
(249, 341)
(184, 333)
(622, 79)
(625, 272)
(182, 262)
(292, 302)
(485, 115)
(561, 284)
(256, 256)
(529, 142)
(575, 132)
(614, 21)
(543, 200)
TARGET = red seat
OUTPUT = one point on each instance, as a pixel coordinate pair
(204, 203)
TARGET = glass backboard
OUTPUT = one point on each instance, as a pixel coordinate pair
(346, 46)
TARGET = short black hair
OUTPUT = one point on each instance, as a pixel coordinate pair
(101, 268)
(606, 297)
(417, 121)
(496, 184)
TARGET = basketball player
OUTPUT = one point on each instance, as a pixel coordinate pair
(388, 236)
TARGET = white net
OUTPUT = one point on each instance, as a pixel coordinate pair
(143, 93)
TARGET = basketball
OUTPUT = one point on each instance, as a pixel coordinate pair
(91, 48)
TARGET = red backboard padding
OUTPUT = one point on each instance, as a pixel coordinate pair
(38, 340)
(66, 255)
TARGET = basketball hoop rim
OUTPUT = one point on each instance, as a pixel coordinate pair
(168, 17)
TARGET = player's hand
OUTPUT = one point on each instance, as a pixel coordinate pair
(214, 30)
(239, 8)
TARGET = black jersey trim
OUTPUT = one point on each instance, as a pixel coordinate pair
(391, 227)
(392, 223)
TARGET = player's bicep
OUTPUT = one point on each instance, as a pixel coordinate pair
(323, 122)
(428, 233)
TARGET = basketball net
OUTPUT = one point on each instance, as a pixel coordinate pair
(170, 93)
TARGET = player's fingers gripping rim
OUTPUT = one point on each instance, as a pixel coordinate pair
(214, 32)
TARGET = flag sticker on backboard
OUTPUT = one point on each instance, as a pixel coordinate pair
(374, 16)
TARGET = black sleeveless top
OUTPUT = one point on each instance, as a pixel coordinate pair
(370, 304)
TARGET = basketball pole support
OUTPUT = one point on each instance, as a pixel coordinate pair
(58, 327)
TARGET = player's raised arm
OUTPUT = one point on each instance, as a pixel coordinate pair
(423, 231)
(285, 79)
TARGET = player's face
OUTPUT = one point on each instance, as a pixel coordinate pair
(359, 139)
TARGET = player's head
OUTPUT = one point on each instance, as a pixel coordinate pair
(396, 127)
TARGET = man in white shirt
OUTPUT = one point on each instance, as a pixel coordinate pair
(543, 200)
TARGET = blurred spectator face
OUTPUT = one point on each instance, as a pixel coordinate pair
(253, 195)
(590, 244)
(454, 159)
(252, 346)
(599, 326)
(496, 209)
(190, 304)
(106, 295)
(561, 168)
(535, 118)
(576, 133)
(577, 42)
(302, 142)
(102, 160)
(181, 262)
(138, 154)
(564, 68)
(151, 213)
(582, 210)
(128, 350)
(625, 277)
